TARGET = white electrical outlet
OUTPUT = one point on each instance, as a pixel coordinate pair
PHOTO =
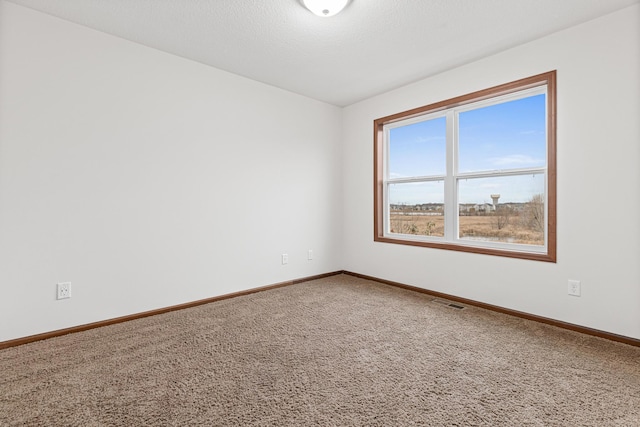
(285, 259)
(574, 288)
(64, 290)
(310, 255)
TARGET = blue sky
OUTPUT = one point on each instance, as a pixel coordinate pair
(510, 135)
(418, 149)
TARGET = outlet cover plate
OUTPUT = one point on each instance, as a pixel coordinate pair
(63, 290)
(574, 288)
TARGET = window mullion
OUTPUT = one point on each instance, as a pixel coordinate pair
(450, 197)
(503, 172)
(385, 174)
(416, 179)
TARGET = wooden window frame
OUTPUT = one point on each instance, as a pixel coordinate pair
(548, 79)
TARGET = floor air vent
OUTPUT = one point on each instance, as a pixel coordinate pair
(448, 303)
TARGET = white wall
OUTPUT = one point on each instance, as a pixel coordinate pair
(148, 180)
(136, 175)
(598, 227)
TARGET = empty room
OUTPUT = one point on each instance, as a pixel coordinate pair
(320, 212)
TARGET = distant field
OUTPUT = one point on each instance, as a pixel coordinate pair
(472, 227)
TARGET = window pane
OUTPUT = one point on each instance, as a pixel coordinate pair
(510, 135)
(417, 208)
(418, 149)
(506, 209)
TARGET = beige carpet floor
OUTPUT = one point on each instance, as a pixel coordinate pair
(338, 351)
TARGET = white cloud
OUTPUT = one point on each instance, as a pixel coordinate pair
(515, 160)
(489, 185)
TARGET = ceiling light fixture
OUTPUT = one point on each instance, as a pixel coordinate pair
(325, 8)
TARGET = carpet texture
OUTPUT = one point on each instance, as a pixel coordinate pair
(338, 351)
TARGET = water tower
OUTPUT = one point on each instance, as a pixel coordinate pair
(495, 198)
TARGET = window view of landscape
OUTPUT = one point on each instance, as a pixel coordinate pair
(475, 173)
(500, 178)
(520, 222)
(512, 212)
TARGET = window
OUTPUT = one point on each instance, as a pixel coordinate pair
(475, 173)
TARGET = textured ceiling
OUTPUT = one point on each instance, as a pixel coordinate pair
(371, 47)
